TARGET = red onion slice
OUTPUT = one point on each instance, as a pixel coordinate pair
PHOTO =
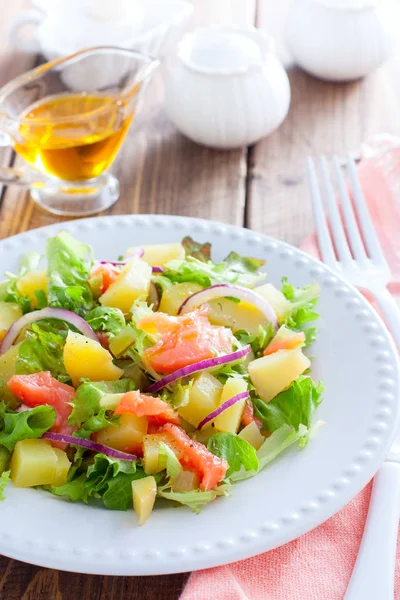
(46, 313)
(208, 363)
(89, 444)
(215, 413)
(114, 263)
(121, 263)
(222, 290)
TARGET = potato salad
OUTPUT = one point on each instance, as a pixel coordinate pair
(160, 374)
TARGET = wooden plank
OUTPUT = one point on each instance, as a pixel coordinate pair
(19, 581)
(12, 63)
(159, 170)
(323, 118)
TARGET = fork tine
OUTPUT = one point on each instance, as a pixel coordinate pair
(338, 234)
(367, 228)
(355, 239)
(324, 237)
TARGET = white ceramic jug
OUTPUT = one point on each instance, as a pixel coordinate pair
(341, 40)
(227, 88)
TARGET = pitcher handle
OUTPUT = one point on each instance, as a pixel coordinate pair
(29, 17)
(21, 177)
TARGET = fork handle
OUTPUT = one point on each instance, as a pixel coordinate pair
(373, 573)
(390, 311)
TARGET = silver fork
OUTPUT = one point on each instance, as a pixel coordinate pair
(358, 257)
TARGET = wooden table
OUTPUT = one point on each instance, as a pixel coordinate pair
(262, 187)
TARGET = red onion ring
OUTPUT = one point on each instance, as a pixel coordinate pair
(202, 365)
(215, 413)
(89, 445)
(226, 289)
(46, 313)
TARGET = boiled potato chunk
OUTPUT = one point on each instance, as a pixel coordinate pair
(144, 492)
(160, 254)
(276, 299)
(7, 370)
(32, 282)
(84, 357)
(252, 435)
(204, 397)
(33, 462)
(273, 373)
(151, 450)
(236, 315)
(9, 313)
(132, 283)
(62, 467)
(173, 297)
(7, 362)
(128, 437)
(230, 419)
(186, 481)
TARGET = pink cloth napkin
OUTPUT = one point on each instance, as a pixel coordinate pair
(318, 565)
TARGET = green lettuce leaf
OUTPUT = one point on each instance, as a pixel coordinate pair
(303, 302)
(195, 499)
(106, 318)
(209, 273)
(167, 460)
(4, 480)
(42, 350)
(276, 443)
(5, 456)
(69, 263)
(87, 412)
(107, 479)
(200, 251)
(243, 264)
(179, 396)
(294, 406)
(236, 451)
(16, 426)
(9, 288)
(257, 341)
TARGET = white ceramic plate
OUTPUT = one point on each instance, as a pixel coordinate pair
(357, 362)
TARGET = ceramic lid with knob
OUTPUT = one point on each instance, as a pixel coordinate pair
(223, 50)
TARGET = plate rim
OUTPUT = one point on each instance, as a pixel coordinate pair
(245, 544)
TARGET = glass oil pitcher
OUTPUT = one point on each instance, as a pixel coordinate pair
(67, 119)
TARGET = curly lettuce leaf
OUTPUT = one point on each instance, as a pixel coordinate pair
(9, 291)
(236, 451)
(294, 406)
(42, 350)
(196, 499)
(243, 264)
(209, 273)
(200, 251)
(179, 395)
(16, 426)
(303, 302)
(87, 412)
(108, 479)
(4, 481)
(259, 341)
(276, 443)
(69, 263)
(106, 318)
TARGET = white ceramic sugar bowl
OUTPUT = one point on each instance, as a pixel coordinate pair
(341, 40)
(227, 88)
